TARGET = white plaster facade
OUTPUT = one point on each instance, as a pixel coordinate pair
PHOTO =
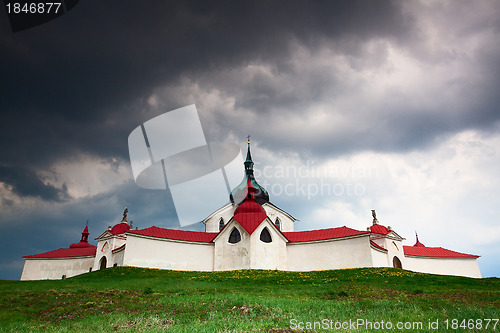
(56, 268)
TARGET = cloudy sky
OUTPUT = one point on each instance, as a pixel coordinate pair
(352, 106)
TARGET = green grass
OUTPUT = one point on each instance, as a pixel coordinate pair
(143, 300)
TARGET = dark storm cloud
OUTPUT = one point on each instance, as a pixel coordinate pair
(77, 83)
(55, 226)
(25, 182)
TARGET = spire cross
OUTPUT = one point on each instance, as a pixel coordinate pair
(248, 138)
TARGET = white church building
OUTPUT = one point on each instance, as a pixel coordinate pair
(247, 233)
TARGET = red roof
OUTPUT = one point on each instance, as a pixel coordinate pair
(65, 253)
(377, 246)
(250, 215)
(379, 229)
(192, 236)
(119, 228)
(313, 235)
(80, 244)
(439, 252)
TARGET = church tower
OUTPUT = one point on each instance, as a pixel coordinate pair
(240, 192)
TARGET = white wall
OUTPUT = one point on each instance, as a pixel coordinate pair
(379, 259)
(267, 255)
(229, 256)
(330, 254)
(445, 266)
(55, 268)
(168, 254)
(118, 257)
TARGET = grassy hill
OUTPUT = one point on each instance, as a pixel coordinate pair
(132, 299)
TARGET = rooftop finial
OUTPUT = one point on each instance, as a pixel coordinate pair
(418, 242)
(248, 138)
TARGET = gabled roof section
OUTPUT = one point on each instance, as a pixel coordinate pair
(250, 221)
(218, 211)
(437, 252)
(375, 245)
(250, 215)
(322, 234)
(184, 235)
(279, 210)
(66, 253)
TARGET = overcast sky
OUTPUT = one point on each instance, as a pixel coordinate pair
(352, 106)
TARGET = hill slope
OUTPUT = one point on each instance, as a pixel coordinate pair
(133, 299)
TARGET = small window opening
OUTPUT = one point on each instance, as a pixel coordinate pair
(265, 236)
(221, 223)
(90, 269)
(235, 236)
(277, 223)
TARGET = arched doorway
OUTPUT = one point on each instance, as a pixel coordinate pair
(396, 262)
(103, 263)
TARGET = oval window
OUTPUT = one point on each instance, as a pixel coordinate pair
(265, 236)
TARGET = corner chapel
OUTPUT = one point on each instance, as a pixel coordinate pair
(249, 232)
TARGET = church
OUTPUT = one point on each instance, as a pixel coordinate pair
(249, 232)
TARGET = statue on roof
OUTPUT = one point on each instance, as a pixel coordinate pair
(125, 215)
(375, 221)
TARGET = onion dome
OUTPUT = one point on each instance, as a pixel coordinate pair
(249, 205)
(418, 243)
(240, 192)
(84, 241)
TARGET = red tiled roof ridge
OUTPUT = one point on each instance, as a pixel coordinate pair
(66, 253)
(322, 234)
(437, 252)
(185, 235)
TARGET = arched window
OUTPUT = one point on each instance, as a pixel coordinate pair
(221, 223)
(103, 263)
(277, 223)
(396, 262)
(235, 236)
(265, 236)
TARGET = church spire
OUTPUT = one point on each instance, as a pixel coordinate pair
(85, 234)
(248, 162)
(249, 186)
